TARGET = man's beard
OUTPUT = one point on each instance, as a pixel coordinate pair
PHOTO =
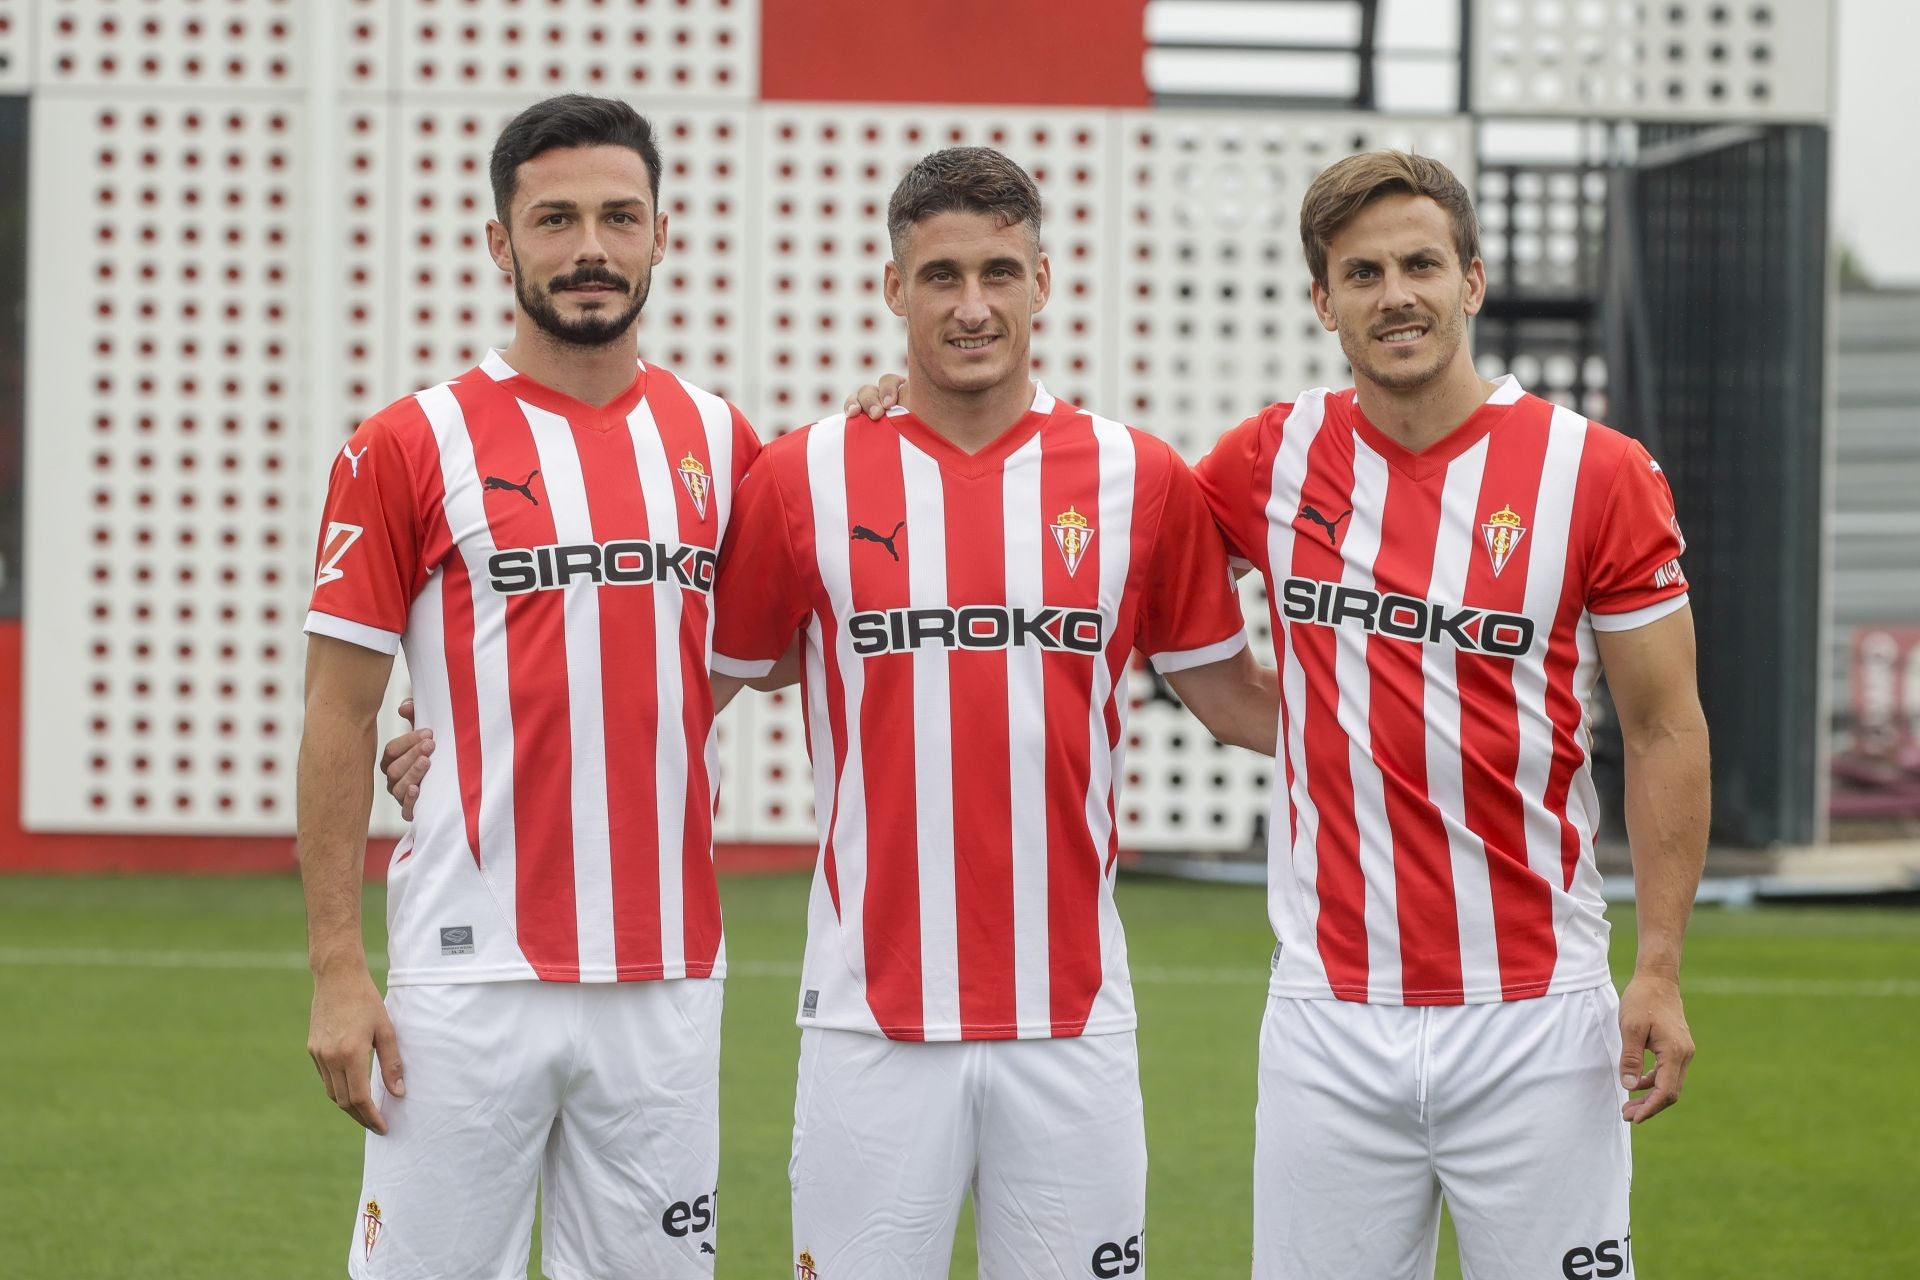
(587, 330)
(1446, 333)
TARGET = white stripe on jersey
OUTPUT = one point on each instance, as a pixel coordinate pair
(1355, 680)
(586, 716)
(827, 477)
(467, 520)
(1105, 757)
(1439, 669)
(670, 748)
(1027, 763)
(438, 820)
(1583, 805)
(1546, 575)
(1297, 926)
(926, 515)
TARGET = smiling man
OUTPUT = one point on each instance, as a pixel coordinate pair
(1451, 562)
(541, 534)
(970, 574)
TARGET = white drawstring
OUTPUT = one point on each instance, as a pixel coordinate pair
(1421, 1063)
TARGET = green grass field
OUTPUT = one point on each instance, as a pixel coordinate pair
(159, 1119)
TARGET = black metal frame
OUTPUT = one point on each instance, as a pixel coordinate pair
(13, 330)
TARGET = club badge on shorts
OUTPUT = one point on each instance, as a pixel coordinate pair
(1503, 531)
(370, 1226)
(1073, 534)
(803, 1267)
(699, 485)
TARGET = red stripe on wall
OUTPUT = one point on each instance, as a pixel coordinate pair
(1058, 52)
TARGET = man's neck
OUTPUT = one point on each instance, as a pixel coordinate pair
(593, 375)
(971, 420)
(1420, 417)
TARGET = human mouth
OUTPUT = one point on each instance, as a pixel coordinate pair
(1403, 335)
(972, 344)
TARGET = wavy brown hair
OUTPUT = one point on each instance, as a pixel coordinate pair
(1347, 186)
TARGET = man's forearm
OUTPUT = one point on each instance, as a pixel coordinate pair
(335, 794)
(1667, 800)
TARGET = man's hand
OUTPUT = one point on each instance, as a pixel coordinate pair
(874, 401)
(1653, 1021)
(349, 1020)
(405, 761)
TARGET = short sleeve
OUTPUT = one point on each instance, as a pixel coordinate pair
(1190, 614)
(1636, 577)
(746, 446)
(367, 564)
(759, 599)
(1226, 477)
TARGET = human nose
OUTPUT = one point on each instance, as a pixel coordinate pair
(971, 309)
(1395, 295)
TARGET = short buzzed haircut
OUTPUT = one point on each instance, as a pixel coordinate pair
(569, 120)
(1347, 186)
(964, 180)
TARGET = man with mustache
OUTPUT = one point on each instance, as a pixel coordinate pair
(541, 533)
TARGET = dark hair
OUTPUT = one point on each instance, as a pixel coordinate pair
(1346, 187)
(964, 180)
(570, 120)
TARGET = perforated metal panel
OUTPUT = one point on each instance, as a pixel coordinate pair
(16, 45)
(212, 44)
(1213, 315)
(1653, 59)
(162, 597)
(768, 796)
(826, 175)
(650, 50)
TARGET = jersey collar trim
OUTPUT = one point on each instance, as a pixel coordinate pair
(989, 459)
(1420, 464)
(577, 412)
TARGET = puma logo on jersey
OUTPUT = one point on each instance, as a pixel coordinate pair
(863, 534)
(353, 459)
(340, 536)
(1331, 526)
(524, 488)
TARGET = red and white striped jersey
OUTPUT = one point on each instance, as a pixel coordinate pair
(549, 566)
(968, 621)
(1434, 617)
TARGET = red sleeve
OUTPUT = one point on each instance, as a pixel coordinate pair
(759, 598)
(367, 566)
(1189, 614)
(1226, 477)
(1636, 576)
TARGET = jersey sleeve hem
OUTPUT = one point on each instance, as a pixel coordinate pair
(327, 624)
(1637, 618)
(1185, 659)
(739, 669)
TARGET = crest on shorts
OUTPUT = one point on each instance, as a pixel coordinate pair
(1503, 531)
(698, 483)
(803, 1267)
(370, 1226)
(1073, 534)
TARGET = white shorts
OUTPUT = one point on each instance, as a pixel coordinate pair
(604, 1094)
(889, 1135)
(1370, 1114)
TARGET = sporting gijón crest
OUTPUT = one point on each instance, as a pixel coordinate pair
(1502, 531)
(1073, 534)
(699, 484)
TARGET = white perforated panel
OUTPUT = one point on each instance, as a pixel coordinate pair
(827, 173)
(1214, 319)
(1654, 59)
(224, 44)
(770, 793)
(16, 49)
(652, 51)
(162, 596)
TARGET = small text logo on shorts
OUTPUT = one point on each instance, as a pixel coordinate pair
(685, 1218)
(1603, 1261)
(810, 1004)
(803, 1267)
(1111, 1260)
(370, 1226)
(457, 941)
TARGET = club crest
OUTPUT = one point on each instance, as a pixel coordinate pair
(370, 1226)
(1503, 531)
(803, 1267)
(698, 483)
(1073, 534)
